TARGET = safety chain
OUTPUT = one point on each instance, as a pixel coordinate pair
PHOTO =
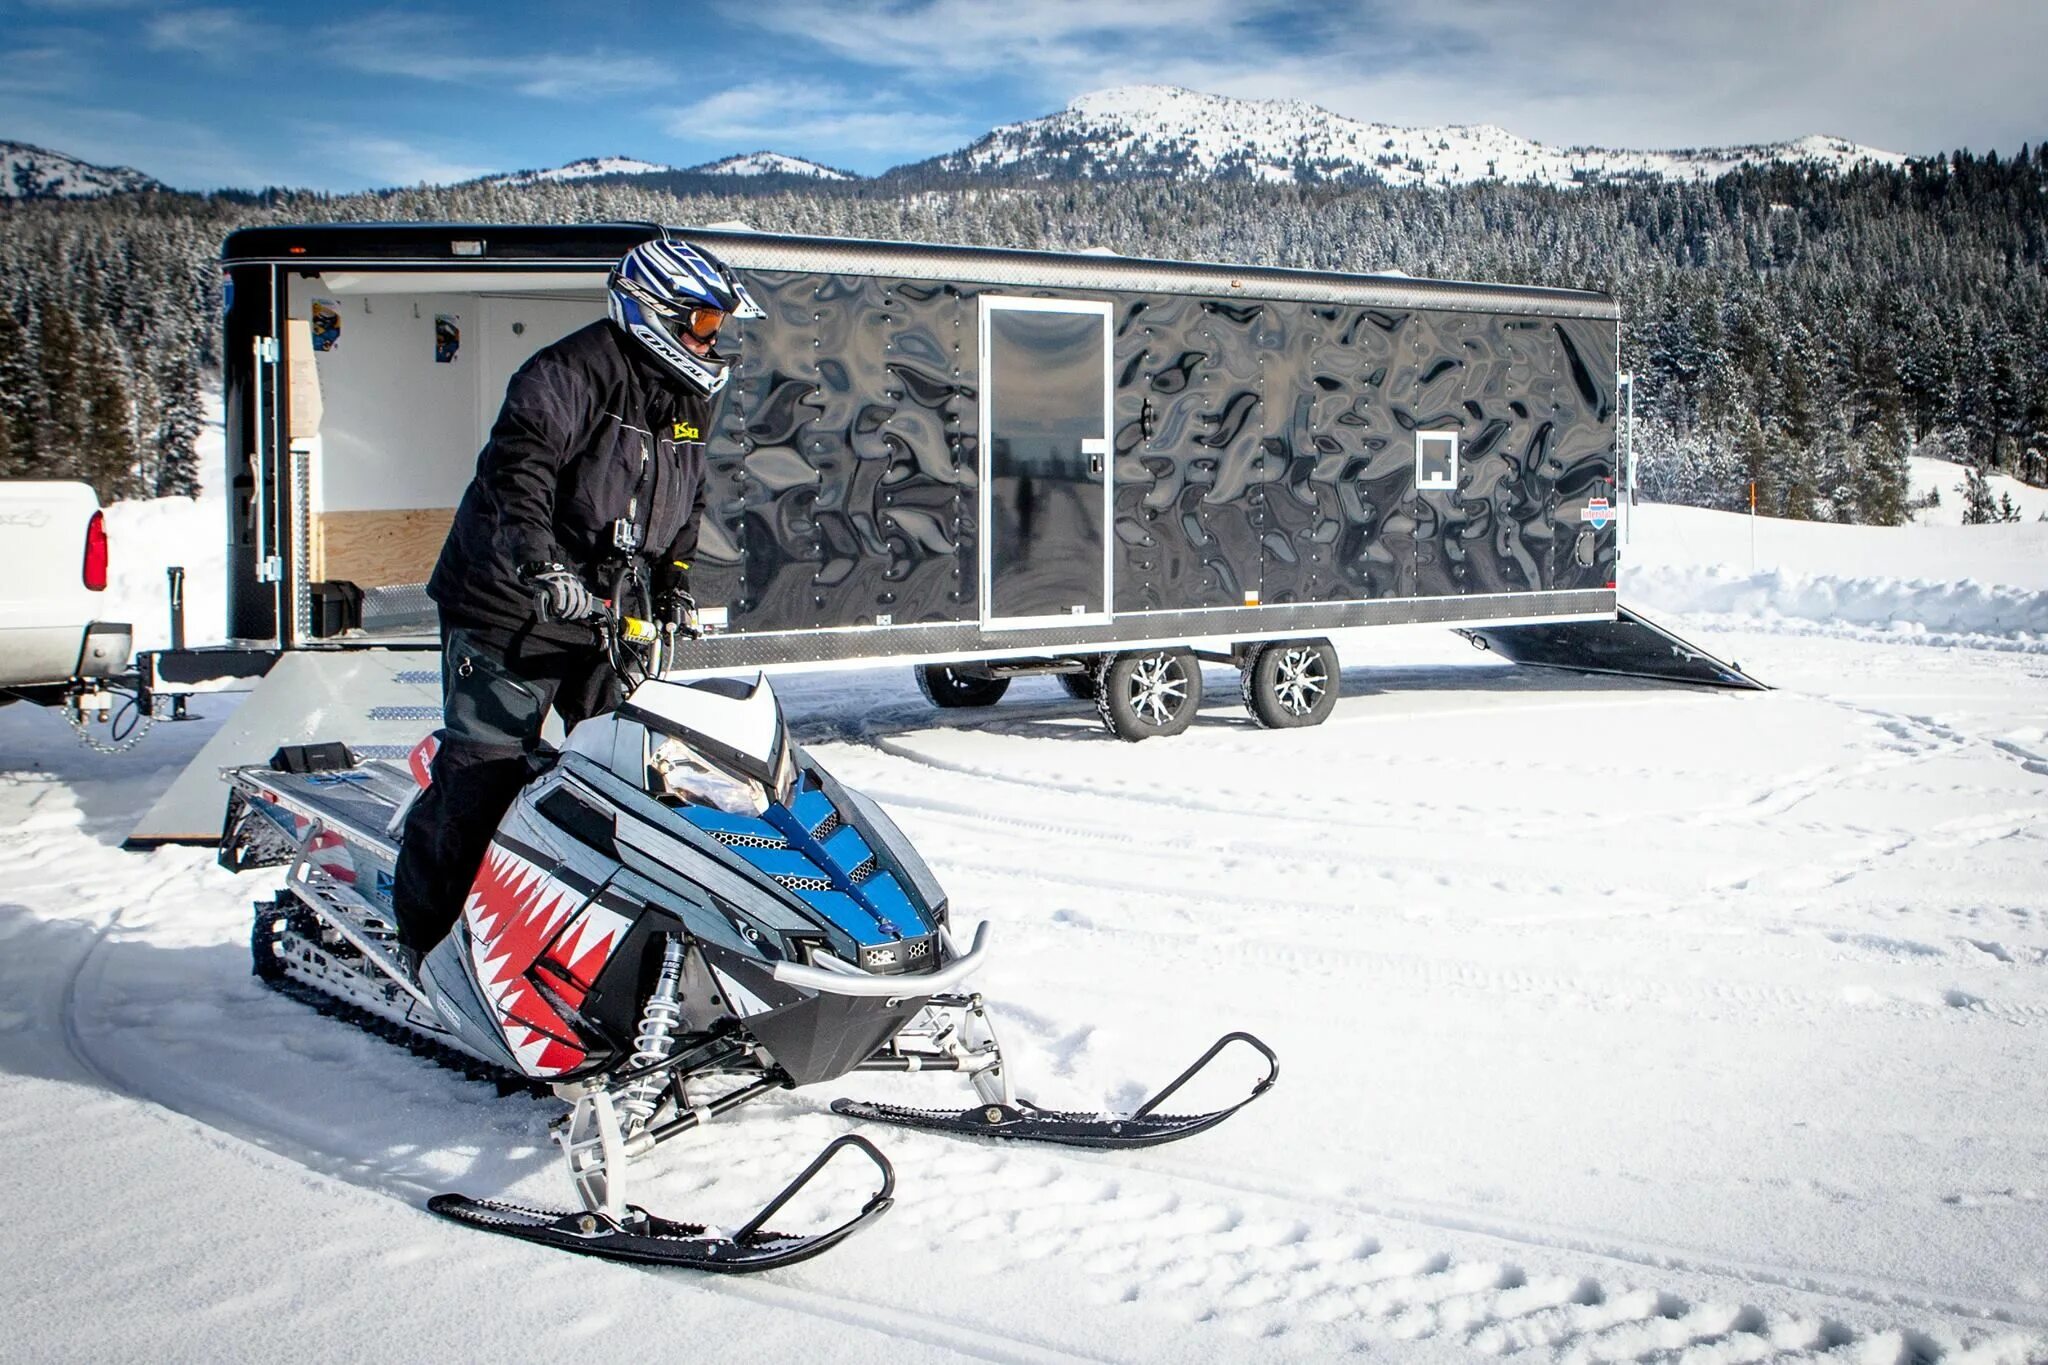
(74, 716)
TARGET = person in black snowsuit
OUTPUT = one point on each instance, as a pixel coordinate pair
(593, 477)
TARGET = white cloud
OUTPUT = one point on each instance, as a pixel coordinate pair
(43, 70)
(434, 48)
(815, 117)
(219, 35)
(384, 162)
(424, 47)
(1051, 41)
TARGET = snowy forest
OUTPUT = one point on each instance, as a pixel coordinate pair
(1801, 330)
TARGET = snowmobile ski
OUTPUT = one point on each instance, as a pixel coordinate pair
(644, 1239)
(1026, 1122)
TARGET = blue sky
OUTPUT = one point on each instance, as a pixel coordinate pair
(342, 96)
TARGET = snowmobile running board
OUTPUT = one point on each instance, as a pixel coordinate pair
(1026, 1122)
(1630, 645)
(644, 1239)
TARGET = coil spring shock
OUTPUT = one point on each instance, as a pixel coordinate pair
(658, 1020)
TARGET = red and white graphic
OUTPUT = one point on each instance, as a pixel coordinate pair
(528, 929)
(330, 853)
(421, 760)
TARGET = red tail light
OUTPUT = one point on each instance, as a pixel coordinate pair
(96, 553)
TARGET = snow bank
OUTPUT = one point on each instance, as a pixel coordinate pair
(146, 536)
(1907, 606)
(1986, 585)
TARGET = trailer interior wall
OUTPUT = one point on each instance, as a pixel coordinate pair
(403, 419)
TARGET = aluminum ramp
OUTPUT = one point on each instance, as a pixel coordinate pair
(1631, 645)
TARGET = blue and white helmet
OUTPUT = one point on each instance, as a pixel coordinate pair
(672, 298)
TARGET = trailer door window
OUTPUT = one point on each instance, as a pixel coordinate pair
(1046, 390)
(1436, 459)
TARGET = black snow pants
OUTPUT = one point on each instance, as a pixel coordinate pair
(497, 686)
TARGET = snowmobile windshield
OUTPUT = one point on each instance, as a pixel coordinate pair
(690, 778)
(719, 742)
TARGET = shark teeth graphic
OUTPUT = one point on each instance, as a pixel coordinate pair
(515, 910)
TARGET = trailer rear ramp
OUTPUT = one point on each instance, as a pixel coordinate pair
(1631, 645)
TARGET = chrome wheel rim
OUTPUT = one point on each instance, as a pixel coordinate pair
(1299, 681)
(1158, 689)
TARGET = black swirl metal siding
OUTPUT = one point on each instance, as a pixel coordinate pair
(1264, 451)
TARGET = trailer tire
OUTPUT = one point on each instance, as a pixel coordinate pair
(948, 688)
(1287, 684)
(1148, 692)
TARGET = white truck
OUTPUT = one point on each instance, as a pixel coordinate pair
(53, 547)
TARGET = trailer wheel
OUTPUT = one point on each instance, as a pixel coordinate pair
(1148, 692)
(1290, 683)
(947, 687)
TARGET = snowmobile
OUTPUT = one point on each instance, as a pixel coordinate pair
(681, 913)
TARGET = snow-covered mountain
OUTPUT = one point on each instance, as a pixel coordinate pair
(748, 164)
(36, 173)
(1160, 130)
(771, 163)
(589, 168)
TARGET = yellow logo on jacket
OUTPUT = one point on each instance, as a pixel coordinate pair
(686, 432)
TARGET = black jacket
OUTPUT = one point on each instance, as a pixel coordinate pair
(592, 433)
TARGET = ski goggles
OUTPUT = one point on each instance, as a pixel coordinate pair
(701, 323)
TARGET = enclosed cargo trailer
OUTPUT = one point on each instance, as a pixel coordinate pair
(974, 461)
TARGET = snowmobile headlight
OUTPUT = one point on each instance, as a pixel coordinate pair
(687, 777)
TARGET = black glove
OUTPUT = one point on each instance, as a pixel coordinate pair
(677, 611)
(559, 595)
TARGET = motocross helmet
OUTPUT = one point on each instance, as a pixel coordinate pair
(672, 298)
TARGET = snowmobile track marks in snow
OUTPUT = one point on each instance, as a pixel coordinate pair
(1145, 1241)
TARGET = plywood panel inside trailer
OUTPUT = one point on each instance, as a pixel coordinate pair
(380, 549)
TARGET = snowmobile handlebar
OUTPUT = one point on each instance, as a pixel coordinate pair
(855, 982)
(605, 615)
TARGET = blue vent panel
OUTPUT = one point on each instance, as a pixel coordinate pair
(872, 912)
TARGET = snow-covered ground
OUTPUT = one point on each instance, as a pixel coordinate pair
(1618, 1021)
(1984, 586)
(1947, 478)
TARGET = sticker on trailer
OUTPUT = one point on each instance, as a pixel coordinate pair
(1599, 511)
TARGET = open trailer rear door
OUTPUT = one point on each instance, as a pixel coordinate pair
(1631, 644)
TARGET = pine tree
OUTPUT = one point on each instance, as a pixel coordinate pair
(107, 458)
(1979, 507)
(60, 441)
(1883, 477)
(20, 398)
(177, 431)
